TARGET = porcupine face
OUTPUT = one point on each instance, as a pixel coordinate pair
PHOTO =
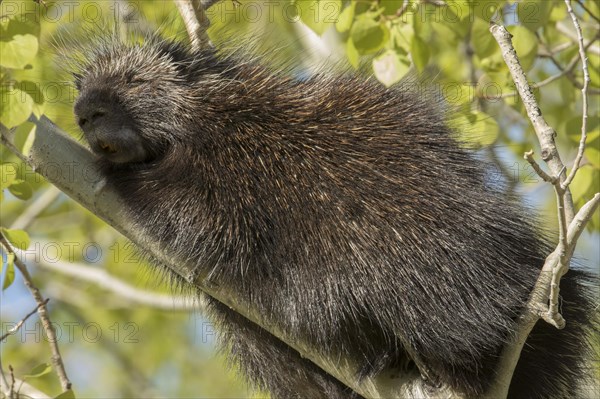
(130, 96)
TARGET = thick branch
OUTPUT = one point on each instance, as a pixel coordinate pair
(71, 167)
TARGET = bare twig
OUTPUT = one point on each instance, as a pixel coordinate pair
(38, 206)
(586, 81)
(28, 391)
(566, 71)
(56, 358)
(23, 320)
(536, 167)
(562, 28)
(196, 22)
(590, 13)
(403, 9)
(108, 282)
(12, 382)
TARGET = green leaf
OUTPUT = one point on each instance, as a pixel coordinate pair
(8, 174)
(18, 238)
(592, 154)
(526, 45)
(23, 23)
(352, 54)
(402, 35)
(19, 51)
(368, 35)
(482, 40)
(534, 14)
(390, 67)
(594, 69)
(15, 106)
(346, 18)
(390, 7)
(9, 276)
(592, 147)
(462, 9)
(39, 370)
(68, 394)
(419, 52)
(33, 89)
(319, 14)
(21, 189)
(485, 9)
(582, 183)
(24, 137)
(481, 130)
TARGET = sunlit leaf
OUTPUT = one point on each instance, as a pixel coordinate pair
(17, 238)
(482, 40)
(368, 35)
(21, 189)
(419, 52)
(39, 370)
(9, 275)
(19, 51)
(352, 54)
(319, 14)
(346, 18)
(526, 45)
(390, 67)
(8, 174)
(15, 106)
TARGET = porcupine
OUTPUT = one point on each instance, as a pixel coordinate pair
(345, 212)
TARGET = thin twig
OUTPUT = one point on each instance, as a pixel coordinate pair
(564, 71)
(196, 22)
(16, 328)
(573, 36)
(536, 167)
(545, 133)
(403, 9)
(56, 358)
(37, 207)
(590, 13)
(586, 81)
(106, 281)
(580, 221)
(546, 52)
(12, 381)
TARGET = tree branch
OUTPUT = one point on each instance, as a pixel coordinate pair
(56, 358)
(72, 168)
(545, 133)
(543, 301)
(196, 22)
(23, 320)
(586, 81)
(37, 207)
(101, 278)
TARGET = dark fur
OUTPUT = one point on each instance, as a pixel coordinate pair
(343, 211)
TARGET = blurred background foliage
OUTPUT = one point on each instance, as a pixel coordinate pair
(148, 352)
